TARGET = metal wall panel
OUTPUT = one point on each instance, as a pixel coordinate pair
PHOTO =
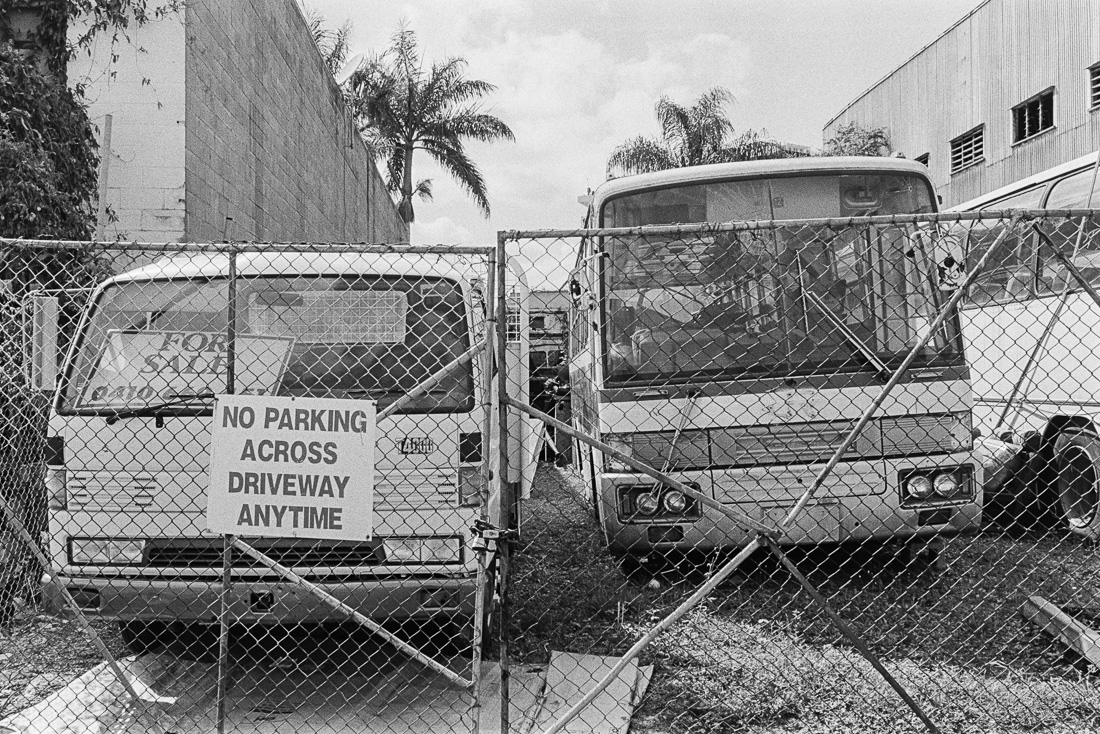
(1001, 54)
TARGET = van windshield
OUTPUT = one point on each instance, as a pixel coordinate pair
(363, 336)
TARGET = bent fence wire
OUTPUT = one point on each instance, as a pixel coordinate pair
(818, 475)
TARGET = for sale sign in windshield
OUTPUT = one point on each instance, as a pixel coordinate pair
(134, 368)
(292, 467)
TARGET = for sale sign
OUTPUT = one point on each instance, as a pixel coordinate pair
(292, 467)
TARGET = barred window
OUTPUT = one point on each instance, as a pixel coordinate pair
(1034, 116)
(1094, 85)
(968, 149)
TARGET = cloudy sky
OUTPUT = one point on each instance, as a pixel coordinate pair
(575, 78)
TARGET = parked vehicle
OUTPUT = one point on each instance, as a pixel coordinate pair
(130, 434)
(739, 361)
(1033, 337)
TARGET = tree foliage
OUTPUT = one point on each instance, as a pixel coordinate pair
(48, 158)
(403, 107)
(96, 17)
(333, 44)
(692, 136)
(854, 139)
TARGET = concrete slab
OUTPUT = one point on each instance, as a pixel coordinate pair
(570, 676)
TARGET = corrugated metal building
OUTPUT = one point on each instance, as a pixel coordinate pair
(1010, 90)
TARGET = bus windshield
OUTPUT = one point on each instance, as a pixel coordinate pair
(773, 301)
(367, 336)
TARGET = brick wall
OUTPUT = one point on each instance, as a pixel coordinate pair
(269, 140)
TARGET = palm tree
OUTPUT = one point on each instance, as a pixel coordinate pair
(403, 108)
(692, 136)
(333, 44)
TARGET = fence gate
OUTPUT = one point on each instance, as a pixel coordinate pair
(827, 475)
(253, 479)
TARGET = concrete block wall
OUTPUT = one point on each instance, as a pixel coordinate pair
(269, 141)
(141, 91)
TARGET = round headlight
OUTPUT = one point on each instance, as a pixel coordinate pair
(647, 504)
(919, 487)
(675, 501)
(946, 484)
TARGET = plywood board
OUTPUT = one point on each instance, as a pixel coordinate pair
(570, 676)
(1052, 620)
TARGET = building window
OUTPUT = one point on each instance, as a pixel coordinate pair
(968, 149)
(1094, 85)
(1034, 116)
(922, 159)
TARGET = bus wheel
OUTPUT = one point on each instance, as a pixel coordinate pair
(1077, 460)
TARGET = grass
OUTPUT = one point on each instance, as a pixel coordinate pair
(759, 655)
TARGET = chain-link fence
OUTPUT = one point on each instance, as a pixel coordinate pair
(827, 475)
(253, 479)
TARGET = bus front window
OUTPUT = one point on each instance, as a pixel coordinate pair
(772, 301)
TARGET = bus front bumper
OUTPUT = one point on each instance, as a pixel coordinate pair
(274, 602)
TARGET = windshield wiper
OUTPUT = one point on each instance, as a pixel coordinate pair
(838, 324)
(176, 399)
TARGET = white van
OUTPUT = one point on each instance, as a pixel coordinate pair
(129, 434)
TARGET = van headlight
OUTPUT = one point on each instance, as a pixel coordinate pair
(106, 551)
(422, 550)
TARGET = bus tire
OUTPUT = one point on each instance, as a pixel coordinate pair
(1077, 462)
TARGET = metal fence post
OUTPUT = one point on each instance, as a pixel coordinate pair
(227, 540)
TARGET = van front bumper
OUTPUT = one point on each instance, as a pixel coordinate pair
(271, 602)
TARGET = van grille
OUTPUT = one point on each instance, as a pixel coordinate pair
(207, 553)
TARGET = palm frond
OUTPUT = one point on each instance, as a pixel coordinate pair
(640, 155)
(465, 173)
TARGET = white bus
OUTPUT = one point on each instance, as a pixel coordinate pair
(1033, 338)
(738, 361)
(129, 435)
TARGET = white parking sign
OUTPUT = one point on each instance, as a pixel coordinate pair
(292, 467)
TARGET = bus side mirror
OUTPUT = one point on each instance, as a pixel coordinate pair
(42, 365)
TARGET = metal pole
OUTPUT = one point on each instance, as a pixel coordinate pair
(1077, 275)
(689, 603)
(756, 543)
(25, 536)
(1063, 299)
(340, 606)
(739, 518)
(227, 540)
(852, 636)
(481, 602)
(935, 326)
(504, 550)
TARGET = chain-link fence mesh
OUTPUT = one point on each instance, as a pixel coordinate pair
(755, 362)
(825, 475)
(338, 596)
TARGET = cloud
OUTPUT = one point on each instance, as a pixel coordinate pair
(440, 230)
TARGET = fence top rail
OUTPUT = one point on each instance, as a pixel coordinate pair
(245, 247)
(833, 222)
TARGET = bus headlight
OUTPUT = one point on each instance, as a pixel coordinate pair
(647, 504)
(106, 551)
(945, 484)
(919, 487)
(674, 501)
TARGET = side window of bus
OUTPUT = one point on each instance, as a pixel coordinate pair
(1071, 192)
(1010, 274)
